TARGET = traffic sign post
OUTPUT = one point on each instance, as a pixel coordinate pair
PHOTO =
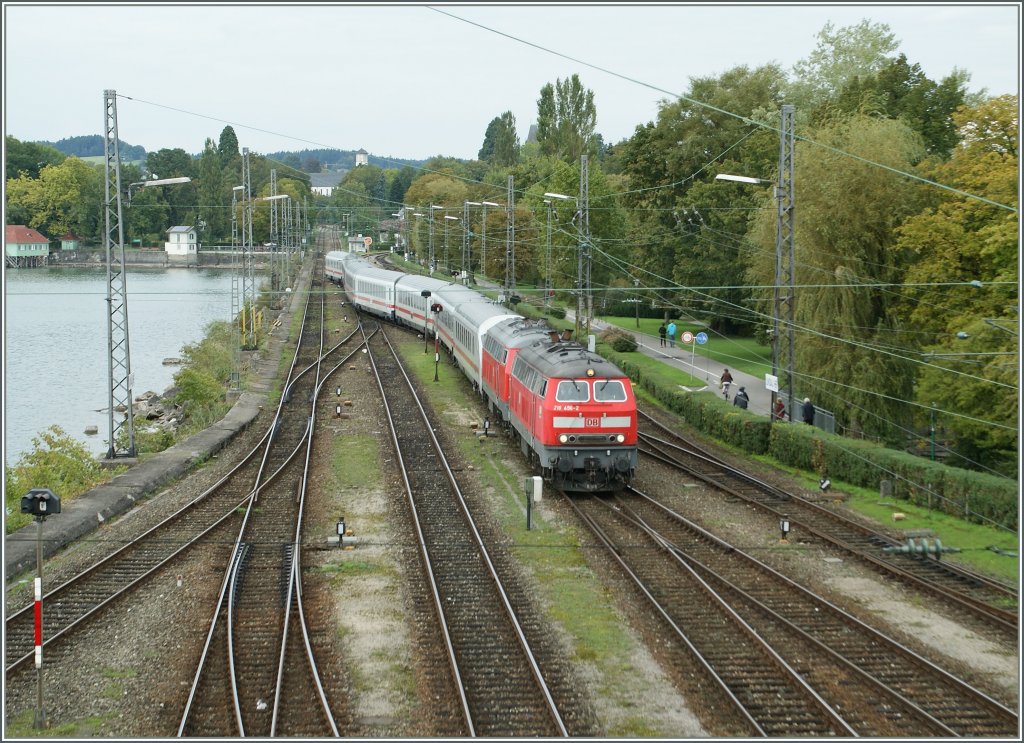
(701, 339)
(687, 337)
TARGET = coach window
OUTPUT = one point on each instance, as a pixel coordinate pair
(609, 390)
(569, 390)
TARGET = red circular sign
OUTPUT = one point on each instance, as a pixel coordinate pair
(687, 337)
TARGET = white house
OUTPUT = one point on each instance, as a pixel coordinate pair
(362, 157)
(182, 245)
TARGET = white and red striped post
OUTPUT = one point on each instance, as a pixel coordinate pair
(39, 721)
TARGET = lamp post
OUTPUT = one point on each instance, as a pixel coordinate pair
(579, 247)
(784, 234)
(548, 285)
(483, 236)
(418, 215)
(636, 300)
(776, 298)
(430, 237)
(447, 218)
(156, 182)
(467, 256)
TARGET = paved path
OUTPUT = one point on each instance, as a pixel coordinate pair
(701, 367)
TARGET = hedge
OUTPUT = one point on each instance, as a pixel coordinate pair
(974, 496)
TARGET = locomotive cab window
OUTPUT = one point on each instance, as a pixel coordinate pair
(570, 390)
(609, 390)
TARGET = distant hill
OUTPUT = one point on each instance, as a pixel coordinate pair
(344, 160)
(91, 145)
(338, 161)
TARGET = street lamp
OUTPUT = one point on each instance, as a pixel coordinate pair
(548, 285)
(418, 215)
(579, 246)
(430, 237)
(467, 256)
(776, 298)
(784, 197)
(447, 218)
(636, 300)
(156, 182)
(483, 236)
(783, 233)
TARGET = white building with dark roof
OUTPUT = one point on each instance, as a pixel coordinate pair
(182, 245)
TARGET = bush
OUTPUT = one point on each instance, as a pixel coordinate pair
(619, 340)
(58, 462)
(974, 496)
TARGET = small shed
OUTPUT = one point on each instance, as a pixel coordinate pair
(70, 242)
(24, 246)
(358, 243)
(182, 245)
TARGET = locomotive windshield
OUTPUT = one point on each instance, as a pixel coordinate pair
(609, 390)
(570, 390)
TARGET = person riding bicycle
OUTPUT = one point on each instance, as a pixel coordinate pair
(724, 381)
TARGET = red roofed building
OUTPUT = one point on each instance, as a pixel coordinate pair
(24, 246)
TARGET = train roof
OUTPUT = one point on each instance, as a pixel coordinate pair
(568, 359)
(522, 332)
(472, 305)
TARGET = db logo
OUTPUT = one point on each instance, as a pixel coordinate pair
(592, 422)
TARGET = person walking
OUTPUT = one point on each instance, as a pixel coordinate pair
(741, 398)
(661, 334)
(724, 381)
(807, 412)
(780, 409)
(671, 334)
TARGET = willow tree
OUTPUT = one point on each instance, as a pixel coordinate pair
(971, 236)
(849, 200)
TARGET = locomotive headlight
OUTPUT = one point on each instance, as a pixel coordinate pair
(563, 439)
(620, 438)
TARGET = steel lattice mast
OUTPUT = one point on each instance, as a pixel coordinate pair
(585, 227)
(236, 306)
(119, 365)
(248, 267)
(510, 242)
(784, 236)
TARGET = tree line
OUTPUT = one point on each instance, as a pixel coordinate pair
(906, 226)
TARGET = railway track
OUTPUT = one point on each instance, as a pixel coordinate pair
(873, 684)
(258, 674)
(492, 667)
(983, 598)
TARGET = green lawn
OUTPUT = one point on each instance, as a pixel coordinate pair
(745, 354)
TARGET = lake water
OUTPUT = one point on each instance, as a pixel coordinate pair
(55, 343)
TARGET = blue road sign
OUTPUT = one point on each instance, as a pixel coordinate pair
(702, 338)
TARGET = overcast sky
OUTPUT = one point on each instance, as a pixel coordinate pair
(409, 81)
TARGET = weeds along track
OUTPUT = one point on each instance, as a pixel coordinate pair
(749, 624)
(492, 667)
(257, 675)
(989, 602)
